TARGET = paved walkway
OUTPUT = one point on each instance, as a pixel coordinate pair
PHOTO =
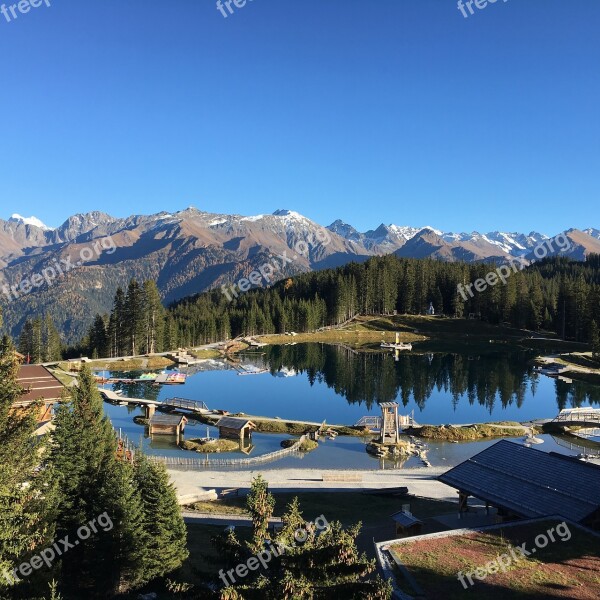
(420, 482)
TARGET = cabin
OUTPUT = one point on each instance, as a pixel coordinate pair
(235, 428)
(406, 525)
(39, 384)
(526, 483)
(173, 425)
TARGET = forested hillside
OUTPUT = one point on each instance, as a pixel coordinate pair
(557, 295)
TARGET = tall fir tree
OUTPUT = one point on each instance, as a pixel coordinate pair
(91, 483)
(164, 549)
(26, 490)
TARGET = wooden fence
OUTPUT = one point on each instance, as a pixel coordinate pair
(209, 463)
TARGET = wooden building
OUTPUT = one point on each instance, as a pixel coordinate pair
(235, 428)
(526, 483)
(173, 425)
(39, 384)
(406, 524)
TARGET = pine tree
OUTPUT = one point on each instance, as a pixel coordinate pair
(25, 491)
(164, 530)
(595, 340)
(261, 504)
(84, 460)
(116, 328)
(319, 560)
(153, 317)
(98, 338)
(134, 317)
(120, 551)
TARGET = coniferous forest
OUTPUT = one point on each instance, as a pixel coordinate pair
(556, 295)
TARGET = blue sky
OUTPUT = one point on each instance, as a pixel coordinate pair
(391, 111)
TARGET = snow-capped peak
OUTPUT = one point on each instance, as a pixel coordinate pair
(30, 221)
(291, 214)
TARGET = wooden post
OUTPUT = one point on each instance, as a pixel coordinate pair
(150, 410)
(462, 503)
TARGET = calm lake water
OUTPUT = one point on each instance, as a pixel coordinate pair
(317, 382)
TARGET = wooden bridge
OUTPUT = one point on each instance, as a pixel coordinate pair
(196, 406)
(111, 396)
(171, 404)
(578, 416)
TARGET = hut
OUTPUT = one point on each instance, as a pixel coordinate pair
(39, 384)
(167, 425)
(406, 524)
(235, 428)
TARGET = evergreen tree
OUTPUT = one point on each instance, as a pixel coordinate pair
(595, 340)
(164, 548)
(261, 504)
(98, 338)
(117, 331)
(134, 318)
(319, 560)
(153, 317)
(91, 483)
(26, 491)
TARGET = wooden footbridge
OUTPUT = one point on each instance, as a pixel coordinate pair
(578, 417)
(171, 404)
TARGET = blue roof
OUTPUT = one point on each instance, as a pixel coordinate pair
(529, 482)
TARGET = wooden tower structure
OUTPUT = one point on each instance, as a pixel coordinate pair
(389, 423)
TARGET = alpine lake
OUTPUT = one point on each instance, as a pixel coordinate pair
(318, 382)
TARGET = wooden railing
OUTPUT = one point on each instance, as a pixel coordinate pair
(208, 463)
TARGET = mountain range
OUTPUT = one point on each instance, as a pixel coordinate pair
(190, 251)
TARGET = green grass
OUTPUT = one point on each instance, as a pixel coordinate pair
(477, 432)
(306, 445)
(205, 353)
(429, 334)
(221, 445)
(347, 507)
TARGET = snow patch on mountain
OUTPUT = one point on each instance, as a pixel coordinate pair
(30, 221)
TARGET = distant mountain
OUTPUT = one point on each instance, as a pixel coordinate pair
(430, 244)
(190, 251)
(577, 246)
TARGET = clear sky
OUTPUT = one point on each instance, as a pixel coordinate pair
(395, 111)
